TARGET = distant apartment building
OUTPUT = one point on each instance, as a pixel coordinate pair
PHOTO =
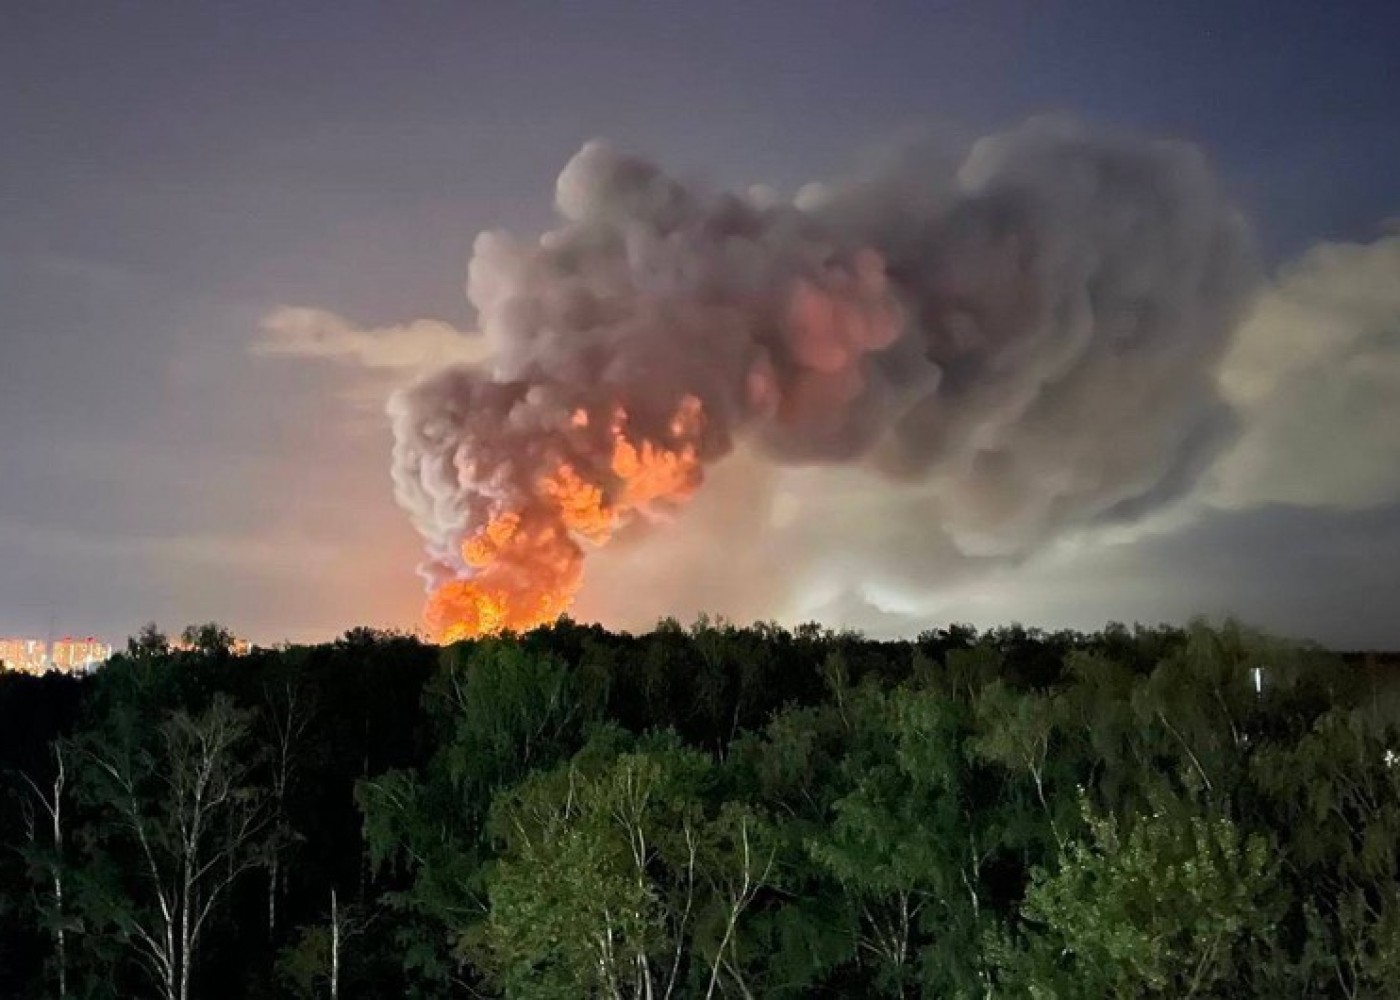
(67, 655)
(70, 654)
(28, 655)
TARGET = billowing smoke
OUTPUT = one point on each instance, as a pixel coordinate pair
(1027, 330)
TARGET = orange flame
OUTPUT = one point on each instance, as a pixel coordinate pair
(527, 563)
(527, 572)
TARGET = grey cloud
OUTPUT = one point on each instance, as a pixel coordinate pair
(1028, 329)
(1315, 372)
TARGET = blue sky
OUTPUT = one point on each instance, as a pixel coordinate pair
(173, 172)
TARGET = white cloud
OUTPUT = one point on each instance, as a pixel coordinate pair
(317, 334)
(1315, 374)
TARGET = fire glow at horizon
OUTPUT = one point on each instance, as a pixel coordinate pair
(527, 564)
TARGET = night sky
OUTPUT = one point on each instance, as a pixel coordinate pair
(175, 174)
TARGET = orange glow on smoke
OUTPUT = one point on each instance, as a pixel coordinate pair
(581, 505)
(527, 564)
(650, 472)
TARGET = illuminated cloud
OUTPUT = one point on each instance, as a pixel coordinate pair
(320, 335)
(1315, 375)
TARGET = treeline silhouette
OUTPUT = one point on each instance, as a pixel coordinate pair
(705, 811)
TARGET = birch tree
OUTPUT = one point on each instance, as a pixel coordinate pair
(615, 882)
(46, 808)
(186, 811)
(314, 966)
(287, 717)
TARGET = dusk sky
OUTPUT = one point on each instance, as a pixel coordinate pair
(178, 445)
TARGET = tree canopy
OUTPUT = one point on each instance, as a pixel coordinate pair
(710, 811)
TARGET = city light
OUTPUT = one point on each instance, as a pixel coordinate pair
(67, 655)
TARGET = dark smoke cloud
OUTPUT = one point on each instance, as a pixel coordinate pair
(1023, 334)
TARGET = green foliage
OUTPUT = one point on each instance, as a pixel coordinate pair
(1167, 907)
(303, 965)
(899, 841)
(620, 876)
(715, 811)
(501, 709)
(580, 895)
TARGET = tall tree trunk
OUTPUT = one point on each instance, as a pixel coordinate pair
(60, 935)
(52, 804)
(335, 946)
(272, 896)
(185, 952)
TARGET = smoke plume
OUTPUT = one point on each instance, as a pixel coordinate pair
(1023, 334)
(1315, 373)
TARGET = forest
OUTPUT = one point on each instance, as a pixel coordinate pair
(705, 811)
